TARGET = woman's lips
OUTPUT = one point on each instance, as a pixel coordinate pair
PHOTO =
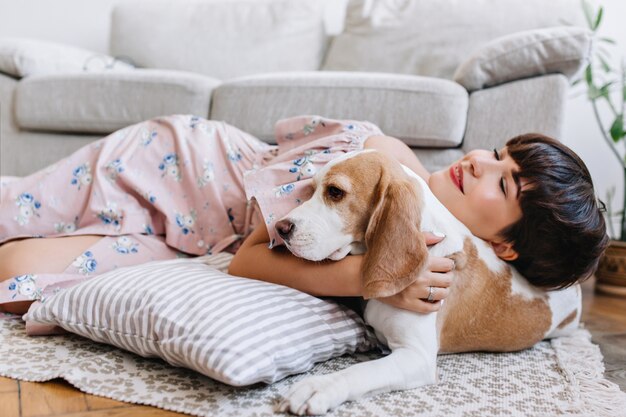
(456, 174)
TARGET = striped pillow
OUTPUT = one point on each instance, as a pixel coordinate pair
(191, 314)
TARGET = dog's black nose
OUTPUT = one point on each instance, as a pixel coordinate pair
(285, 228)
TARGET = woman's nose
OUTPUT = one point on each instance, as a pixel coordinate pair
(475, 166)
(480, 165)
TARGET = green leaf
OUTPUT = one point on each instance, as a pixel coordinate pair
(588, 12)
(617, 128)
(604, 90)
(598, 19)
(589, 75)
(593, 92)
(607, 40)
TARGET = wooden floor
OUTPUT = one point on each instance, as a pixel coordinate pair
(605, 317)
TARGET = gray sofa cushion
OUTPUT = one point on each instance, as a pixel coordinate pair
(527, 54)
(534, 105)
(422, 111)
(102, 103)
(220, 38)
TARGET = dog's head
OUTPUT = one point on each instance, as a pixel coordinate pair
(362, 201)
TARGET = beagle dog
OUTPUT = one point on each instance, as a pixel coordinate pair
(367, 203)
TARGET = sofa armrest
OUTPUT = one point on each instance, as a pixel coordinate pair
(563, 50)
(104, 102)
(531, 105)
(25, 57)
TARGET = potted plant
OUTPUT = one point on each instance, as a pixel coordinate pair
(606, 86)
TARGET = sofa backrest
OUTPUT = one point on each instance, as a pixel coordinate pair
(220, 38)
(432, 37)
(226, 39)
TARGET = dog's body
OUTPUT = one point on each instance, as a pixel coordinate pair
(490, 306)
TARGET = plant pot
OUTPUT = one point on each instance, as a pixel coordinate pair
(611, 274)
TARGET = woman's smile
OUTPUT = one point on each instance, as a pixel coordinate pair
(456, 174)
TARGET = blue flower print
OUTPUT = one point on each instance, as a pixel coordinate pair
(63, 227)
(125, 245)
(231, 218)
(28, 207)
(312, 125)
(208, 174)
(111, 216)
(147, 136)
(113, 169)
(186, 222)
(233, 155)
(269, 219)
(85, 263)
(81, 175)
(284, 189)
(147, 229)
(197, 122)
(147, 195)
(26, 286)
(170, 167)
(304, 167)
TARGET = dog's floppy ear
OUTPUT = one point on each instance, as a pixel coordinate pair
(396, 249)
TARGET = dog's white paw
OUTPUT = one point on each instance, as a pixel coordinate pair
(313, 396)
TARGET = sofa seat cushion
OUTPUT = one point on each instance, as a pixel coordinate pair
(220, 38)
(422, 111)
(105, 102)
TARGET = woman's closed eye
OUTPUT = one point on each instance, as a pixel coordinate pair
(502, 181)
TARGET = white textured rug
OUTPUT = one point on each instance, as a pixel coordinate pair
(561, 377)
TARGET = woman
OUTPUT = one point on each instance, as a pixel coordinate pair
(179, 186)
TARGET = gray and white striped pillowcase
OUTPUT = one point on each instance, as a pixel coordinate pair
(189, 313)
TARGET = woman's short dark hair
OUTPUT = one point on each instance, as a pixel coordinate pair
(562, 234)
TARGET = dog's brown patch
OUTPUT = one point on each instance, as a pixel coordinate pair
(567, 320)
(482, 314)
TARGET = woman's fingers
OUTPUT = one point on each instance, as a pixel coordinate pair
(438, 280)
(433, 238)
(439, 264)
(436, 294)
(412, 304)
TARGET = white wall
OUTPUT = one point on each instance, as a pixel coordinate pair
(85, 23)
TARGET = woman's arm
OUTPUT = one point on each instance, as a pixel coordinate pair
(326, 278)
(335, 278)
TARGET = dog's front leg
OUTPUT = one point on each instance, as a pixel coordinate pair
(412, 363)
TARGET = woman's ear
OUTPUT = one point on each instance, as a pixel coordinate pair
(504, 250)
(396, 249)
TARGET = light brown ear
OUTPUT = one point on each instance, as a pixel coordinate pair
(396, 249)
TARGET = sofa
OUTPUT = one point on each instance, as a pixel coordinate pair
(444, 76)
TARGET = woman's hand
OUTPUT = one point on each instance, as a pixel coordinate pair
(438, 276)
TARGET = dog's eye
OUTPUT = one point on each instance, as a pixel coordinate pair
(334, 193)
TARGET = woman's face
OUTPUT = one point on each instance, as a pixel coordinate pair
(481, 191)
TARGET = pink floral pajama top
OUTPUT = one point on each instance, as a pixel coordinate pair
(186, 181)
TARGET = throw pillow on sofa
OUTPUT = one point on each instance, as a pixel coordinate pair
(563, 50)
(25, 57)
(236, 330)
